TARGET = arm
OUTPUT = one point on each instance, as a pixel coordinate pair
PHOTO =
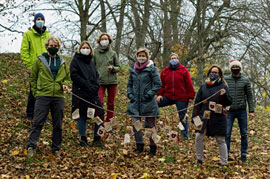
(116, 67)
(130, 93)
(25, 51)
(34, 76)
(189, 86)
(161, 91)
(156, 84)
(249, 96)
(226, 97)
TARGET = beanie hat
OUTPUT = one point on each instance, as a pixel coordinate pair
(39, 15)
(236, 63)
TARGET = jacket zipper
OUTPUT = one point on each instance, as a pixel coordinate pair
(235, 93)
(173, 84)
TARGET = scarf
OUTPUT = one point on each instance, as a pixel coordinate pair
(139, 67)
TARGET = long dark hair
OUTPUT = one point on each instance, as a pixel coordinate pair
(219, 71)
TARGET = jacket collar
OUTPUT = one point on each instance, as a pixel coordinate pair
(45, 62)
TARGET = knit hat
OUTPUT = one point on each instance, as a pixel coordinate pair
(236, 63)
(39, 15)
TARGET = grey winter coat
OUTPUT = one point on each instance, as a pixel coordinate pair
(141, 90)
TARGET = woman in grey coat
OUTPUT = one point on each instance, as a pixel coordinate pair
(143, 84)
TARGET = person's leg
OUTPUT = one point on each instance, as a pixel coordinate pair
(199, 146)
(180, 106)
(100, 113)
(112, 89)
(57, 111)
(150, 122)
(243, 125)
(101, 92)
(138, 136)
(82, 130)
(222, 150)
(42, 107)
(230, 119)
(30, 105)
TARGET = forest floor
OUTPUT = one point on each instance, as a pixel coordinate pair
(174, 159)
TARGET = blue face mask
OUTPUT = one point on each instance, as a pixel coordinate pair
(40, 23)
(174, 62)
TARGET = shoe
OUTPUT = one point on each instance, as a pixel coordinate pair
(243, 158)
(153, 150)
(139, 148)
(97, 143)
(83, 141)
(200, 162)
(30, 152)
(55, 152)
(30, 118)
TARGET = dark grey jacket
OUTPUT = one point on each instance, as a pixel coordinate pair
(240, 90)
(141, 90)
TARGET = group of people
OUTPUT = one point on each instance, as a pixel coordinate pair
(94, 71)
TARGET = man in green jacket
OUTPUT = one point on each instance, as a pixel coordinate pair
(49, 77)
(240, 90)
(32, 46)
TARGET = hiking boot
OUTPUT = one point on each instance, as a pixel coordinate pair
(30, 152)
(243, 158)
(153, 150)
(200, 162)
(29, 118)
(139, 148)
(83, 141)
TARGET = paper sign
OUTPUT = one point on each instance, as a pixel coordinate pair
(148, 132)
(212, 105)
(98, 120)
(129, 130)
(180, 126)
(101, 131)
(197, 121)
(161, 125)
(127, 139)
(173, 135)
(138, 125)
(206, 114)
(218, 109)
(156, 138)
(107, 126)
(114, 121)
(76, 114)
(91, 113)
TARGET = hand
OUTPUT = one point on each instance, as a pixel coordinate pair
(222, 91)
(159, 98)
(190, 100)
(110, 68)
(65, 88)
(251, 116)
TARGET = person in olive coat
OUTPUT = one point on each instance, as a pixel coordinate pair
(85, 84)
(212, 112)
(143, 84)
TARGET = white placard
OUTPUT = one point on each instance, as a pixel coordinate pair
(76, 114)
(91, 113)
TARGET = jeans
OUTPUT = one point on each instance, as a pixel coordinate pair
(242, 122)
(148, 123)
(180, 105)
(43, 105)
(30, 104)
(111, 90)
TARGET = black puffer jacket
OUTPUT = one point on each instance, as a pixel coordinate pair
(217, 124)
(85, 83)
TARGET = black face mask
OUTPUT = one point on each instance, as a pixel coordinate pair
(213, 76)
(52, 50)
(235, 71)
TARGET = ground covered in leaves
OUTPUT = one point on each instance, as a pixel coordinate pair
(174, 159)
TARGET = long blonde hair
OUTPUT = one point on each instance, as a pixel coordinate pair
(88, 43)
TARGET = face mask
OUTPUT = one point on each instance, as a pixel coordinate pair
(235, 71)
(40, 23)
(85, 51)
(104, 43)
(174, 61)
(52, 50)
(141, 60)
(213, 76)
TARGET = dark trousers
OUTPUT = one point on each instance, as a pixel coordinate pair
(42, 107)
(30, 104)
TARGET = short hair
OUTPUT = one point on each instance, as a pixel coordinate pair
(53, 38)
(142, 49)
(104, 33)
(219, 71)
(88, 43)
(174, 55)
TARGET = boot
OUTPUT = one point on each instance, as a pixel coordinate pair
(97, 143)
(139, 148)
(153, 150)
(83, 141)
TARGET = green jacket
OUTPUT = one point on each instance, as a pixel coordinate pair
(141, 90)
(104, 58)
(42, 80)
(33, 45)
(241, 93)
